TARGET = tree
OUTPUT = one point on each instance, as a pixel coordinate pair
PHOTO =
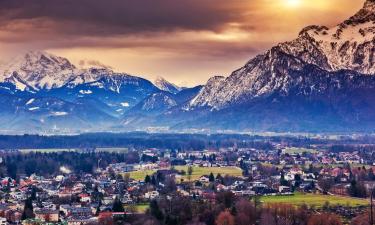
(126, 178)
(357, 189)
(153, 180)
(155, 210)
(326, 219)
(117, 206)
(274, 214)
(227, 199)
(225, 218)
(371, 175)
(246, 213)
(211, 178)
(28, 211)
(147, 179)
(363, 219)
(325, 183)
(11, 169)
(190, 172)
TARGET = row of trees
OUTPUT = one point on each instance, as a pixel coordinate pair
(16, 164)
(226, 209)
(135, 140)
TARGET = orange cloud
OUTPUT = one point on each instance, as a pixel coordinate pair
(186, 41)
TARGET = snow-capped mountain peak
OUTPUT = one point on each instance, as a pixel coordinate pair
(165, 85)
(367, 13)
(39, 70)
(347, 46)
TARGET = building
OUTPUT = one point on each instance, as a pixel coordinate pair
(3, 221)
(152, 194)
(47, 215)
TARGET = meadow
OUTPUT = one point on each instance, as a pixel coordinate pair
(314, 200)
(197, 172)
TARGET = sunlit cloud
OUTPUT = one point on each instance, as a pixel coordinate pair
(185, 41)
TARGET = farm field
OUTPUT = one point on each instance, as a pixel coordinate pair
(142, 208)
(197, 172)
(140, 175)
(48, 150)
(138, 208)
(315, 200)
(118, 150)
(200, 171)
(300, 150)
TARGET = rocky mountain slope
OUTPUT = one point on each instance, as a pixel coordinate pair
(325, 76)
(42, 91)
(348, 46)
(167, 86)
(324, 80)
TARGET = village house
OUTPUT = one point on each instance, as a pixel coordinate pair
(47, 215)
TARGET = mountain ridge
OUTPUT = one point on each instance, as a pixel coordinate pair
(316, 45)
(322, 81)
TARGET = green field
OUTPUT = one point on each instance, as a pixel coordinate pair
(138, 208)
(316, 200)
(294, 150)
(140, 175)
(142, 208)
(200, 171)
(197, 172)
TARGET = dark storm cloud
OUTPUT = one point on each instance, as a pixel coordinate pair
(117, 17)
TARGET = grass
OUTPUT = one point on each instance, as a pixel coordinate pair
(47, 150)
(142, 208)
(294, 150)
(316, 200)
(138, 208)
(200, 171)
(197, 172)
(141, 174)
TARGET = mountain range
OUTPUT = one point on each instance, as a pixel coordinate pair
(322, 81)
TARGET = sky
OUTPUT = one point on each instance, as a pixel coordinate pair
(184, 41)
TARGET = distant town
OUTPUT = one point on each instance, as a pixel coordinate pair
(269, 183)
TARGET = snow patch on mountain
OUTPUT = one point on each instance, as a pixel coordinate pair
(38, 70)
(59, 113)
(30, 101)
(347, 46)
(125, 104)
(85, 92)
(33, 108)
(167, 86)
(156, 100)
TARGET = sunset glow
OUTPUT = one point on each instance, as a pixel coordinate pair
(293, 3)
(202, 38)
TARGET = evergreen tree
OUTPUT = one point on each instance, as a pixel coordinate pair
(155, 210)
(117, 206)
(28, 211)
(190, 172)
(147, 179)
(153, 180)
(211, 178)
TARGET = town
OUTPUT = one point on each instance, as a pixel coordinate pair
(127, 185)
